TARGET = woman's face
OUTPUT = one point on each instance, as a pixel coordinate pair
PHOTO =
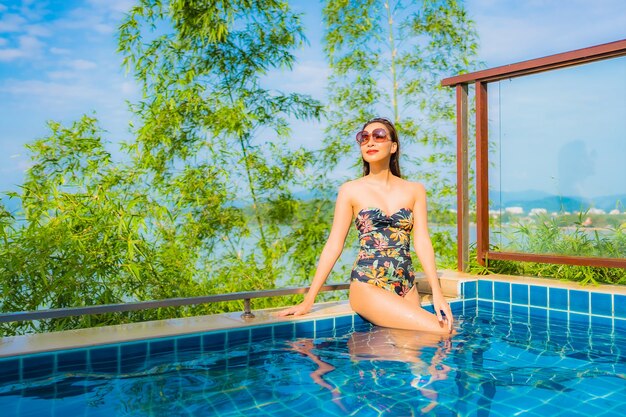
(375, 147)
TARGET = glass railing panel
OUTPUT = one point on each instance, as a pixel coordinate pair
(557, 175)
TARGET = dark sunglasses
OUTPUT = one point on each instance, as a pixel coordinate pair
(379, 135)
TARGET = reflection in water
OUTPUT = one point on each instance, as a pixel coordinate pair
(305, 347)
(384, 344)
(423, 353)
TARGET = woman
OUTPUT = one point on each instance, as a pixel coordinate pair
(386, 208)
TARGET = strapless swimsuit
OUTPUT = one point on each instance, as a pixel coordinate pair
(384, 258)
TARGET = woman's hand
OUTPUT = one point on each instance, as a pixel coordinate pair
(298, 310)
(440, 304)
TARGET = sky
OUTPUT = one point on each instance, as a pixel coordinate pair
(58, 61)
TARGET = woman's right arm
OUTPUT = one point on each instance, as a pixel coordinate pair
(330, 253)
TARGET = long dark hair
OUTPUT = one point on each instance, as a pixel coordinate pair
(394, 163)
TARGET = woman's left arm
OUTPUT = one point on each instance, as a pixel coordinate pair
(426, 254)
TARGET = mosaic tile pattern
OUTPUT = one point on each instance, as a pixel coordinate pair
(553, 303)
(519, 350)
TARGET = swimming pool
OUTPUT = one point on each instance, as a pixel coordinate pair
(520, 349)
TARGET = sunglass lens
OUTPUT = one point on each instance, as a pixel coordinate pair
(379, 134)
(362, 137)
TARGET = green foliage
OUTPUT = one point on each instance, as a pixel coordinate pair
(388, 58)
(203, 203)
(548, 236)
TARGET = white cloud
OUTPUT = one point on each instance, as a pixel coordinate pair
(46, 92)
(11, 22)
(307, 77)
(28, 47)
(82, 64)
(129, 89)
(61, 75)
(115, 6)
(59, 51)
(37, 30)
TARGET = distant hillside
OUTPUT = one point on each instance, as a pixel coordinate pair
(538, 199)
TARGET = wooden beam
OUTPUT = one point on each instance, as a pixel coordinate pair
(565, 59)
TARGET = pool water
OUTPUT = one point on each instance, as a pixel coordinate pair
(497, 364)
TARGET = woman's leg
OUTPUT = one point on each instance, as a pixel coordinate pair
(387, 309)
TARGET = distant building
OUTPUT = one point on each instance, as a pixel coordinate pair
(596, 211)
(514, 210)
(538, 211)
(614, 211)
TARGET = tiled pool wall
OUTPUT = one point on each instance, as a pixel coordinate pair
(536, 301)
(576, 305)
(128, 357)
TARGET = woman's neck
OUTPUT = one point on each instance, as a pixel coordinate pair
(379, 176)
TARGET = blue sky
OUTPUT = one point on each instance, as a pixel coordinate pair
(58, 61)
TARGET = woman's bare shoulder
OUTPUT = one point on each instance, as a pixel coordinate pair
(351, 186)
(414, 186)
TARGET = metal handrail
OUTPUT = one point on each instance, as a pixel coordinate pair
(168, 302)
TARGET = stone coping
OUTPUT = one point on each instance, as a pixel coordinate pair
(45, 342)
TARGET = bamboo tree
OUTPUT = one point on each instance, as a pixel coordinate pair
(204, 100)
(388, 58)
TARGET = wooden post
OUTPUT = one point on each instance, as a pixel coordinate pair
(462, 178)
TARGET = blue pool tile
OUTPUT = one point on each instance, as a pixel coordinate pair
(485, 305)
(558, 316)
(133, 356)
(601, 304)
(579, 301)
(160, 346)
(520, 312)
(214, 341)
(361, 324)
(538, 315)
(519, 293)
(261, 333)
(619, 305)
(188, 343)
(456, 307)
(579, 341)
(620, 325)
(468, 289)
(37, 366)
(283, 331)
(502, 307)
(469, 306)
(502, 291)
(343, 322)
(485, 289)
(324, 327)
(104, 359)
(10, 370)
(72, 360)
(238, 337)
(601, 322)
(305, 328)
(538, 296)
(133, 350)
(558, 298)
(579, 318)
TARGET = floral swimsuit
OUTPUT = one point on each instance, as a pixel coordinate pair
(384, 258)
